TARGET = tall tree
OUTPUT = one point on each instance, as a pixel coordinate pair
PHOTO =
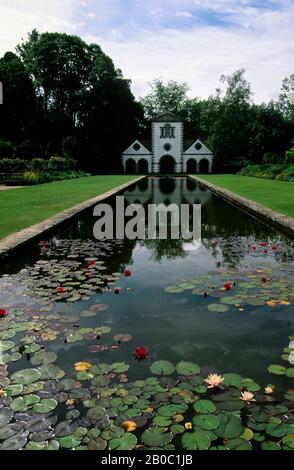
(286, 98)
(18, 112)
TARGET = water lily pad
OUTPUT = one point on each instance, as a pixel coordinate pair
(25, 376)
(65, 428)
(187, 368)
(207, 422)
(69, 442)
(204, 406)
(270, 445)
(197, 440)
(238, 444)
(16, 442)
(126, 442)
(218, 308)
(156, 437)
(276, 369)
(45, 405)
(172, 409)
(43, 357)
(122, 338)
(13, 390)
(162, 368)
(230, 426)
(5, 416)
(290, 372)
(120, 367)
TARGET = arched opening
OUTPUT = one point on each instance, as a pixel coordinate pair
(143, 166)
(143, 185)
(191, 185)
(203, 166)
(167, 185)
(191, 166)
(167, 165)
(130, 167)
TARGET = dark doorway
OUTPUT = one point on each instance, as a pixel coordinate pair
(131, 167)
(167, 165)
(191, 166)
(143, 167)
(203, 166)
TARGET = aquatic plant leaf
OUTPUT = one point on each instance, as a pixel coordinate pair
(218, 308)
(238, 444)
(122, 338)
(6, 416)
(120, 367)
(204, 406)
(69, 442)
(45, 405)
(162, 368)
(230, 426)
(197, 440)
(156, 437)
(206, 422)
(126, 442)
(270, 445)
(168, 411)
(25, 376)
(187, 368)
(276, 369)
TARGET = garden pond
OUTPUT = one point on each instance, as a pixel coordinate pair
(150, 344)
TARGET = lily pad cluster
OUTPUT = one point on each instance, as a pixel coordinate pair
(171, 409)
(265, 285)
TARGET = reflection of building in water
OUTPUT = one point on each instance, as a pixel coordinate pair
(168, 152)
(167, 191)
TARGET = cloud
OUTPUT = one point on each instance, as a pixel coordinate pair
(193, 41)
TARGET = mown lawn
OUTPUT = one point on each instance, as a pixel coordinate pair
(277, 195)
(22, 207)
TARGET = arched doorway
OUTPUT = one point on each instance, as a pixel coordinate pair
(167, 165)
(191, 166)
(203, 166)
(143, 166)
(131, 167)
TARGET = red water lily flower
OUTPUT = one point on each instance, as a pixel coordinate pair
(91, 262)
(60, 289)
(117, 290)
(274, 247)
(254, 248)
(263, 244)
(127, 273)
(2, 313)
(265, 252)
(228, 285)
(141, 353)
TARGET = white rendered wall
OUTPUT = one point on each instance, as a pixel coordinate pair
(176, 143)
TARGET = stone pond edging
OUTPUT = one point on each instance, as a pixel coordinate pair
(17, 239)
(280, 221)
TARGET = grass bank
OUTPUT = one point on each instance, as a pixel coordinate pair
(276, 195)
(22, 207)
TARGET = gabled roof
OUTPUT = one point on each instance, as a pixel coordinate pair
(167, 117)
(188, 143)
(147, 144)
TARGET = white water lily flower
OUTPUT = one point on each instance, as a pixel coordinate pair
(214, 380)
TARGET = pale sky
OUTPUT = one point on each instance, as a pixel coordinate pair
(192, 41)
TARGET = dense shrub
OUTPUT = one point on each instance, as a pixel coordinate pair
(60, 163)
(279, 172)
(6, 149)
(39, 164)
(12, 165)
(33, 177)
(290, 155)
(28, 151)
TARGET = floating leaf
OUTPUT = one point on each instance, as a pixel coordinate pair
(197, 440)
(204, 406)
(206, 422)
(126, 442)
(218, 308)
(276, 369)
(230, 426)
(156, 437)
(162, 368)
(45, 406)
(187, 368)
(25, 376)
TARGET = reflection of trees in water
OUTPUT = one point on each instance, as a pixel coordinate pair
(169, 249)
(232, 250)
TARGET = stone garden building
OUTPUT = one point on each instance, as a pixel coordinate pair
(168, 152)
